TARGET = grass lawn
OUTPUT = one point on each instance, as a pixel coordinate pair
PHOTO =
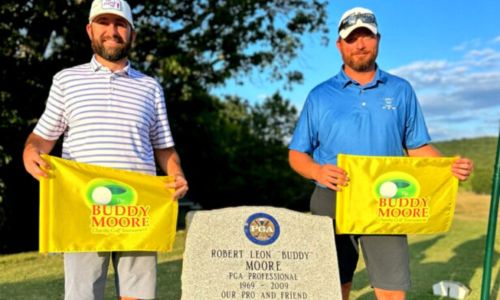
(456, 255)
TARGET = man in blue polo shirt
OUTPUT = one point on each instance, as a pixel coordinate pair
(366, 111)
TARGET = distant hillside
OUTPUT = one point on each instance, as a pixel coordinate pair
(482, 151)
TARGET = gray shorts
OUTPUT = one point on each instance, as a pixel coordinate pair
(85, 274)
(386, 256)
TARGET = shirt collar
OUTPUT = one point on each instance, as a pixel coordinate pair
(96, 67)
(345, 80)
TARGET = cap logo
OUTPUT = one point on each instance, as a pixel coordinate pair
(112, 4)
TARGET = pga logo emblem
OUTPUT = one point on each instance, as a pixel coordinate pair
(262, 229)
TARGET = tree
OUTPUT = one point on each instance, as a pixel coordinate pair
(244, 162)
(190, 47)
(199, 44)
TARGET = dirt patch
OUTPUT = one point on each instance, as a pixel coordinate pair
(472, 206)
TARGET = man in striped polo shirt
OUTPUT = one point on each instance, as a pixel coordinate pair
(114, 116)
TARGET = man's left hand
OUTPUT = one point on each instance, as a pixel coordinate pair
(462, 168)
(180, 185)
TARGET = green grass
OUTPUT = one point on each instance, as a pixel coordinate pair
(456, 255)
(482, 151)
(31, 275)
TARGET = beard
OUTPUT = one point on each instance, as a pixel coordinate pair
(358, 63)
(112, 54)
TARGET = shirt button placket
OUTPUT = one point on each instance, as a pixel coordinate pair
(361, 93)
(111, 89)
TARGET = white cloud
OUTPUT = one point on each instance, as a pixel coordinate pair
(475, 43)
(460, 98)
(482, 58)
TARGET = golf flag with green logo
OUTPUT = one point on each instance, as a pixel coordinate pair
(396, 195)
(91, 208)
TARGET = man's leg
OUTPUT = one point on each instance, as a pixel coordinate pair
(387, 261)
(346, 289)
(135, 274)
(85, 275)
(389, 295)
(323, 203)
(347, 256)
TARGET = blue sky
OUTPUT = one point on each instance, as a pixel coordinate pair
(448, 50)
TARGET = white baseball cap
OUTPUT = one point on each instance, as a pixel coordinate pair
(356, 18)
(115, 7)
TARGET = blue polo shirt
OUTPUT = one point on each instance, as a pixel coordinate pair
(380, 118)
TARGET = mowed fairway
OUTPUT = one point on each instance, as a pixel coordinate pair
(456, 255)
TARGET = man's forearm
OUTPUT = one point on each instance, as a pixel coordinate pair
(303, 164)
(169, 161)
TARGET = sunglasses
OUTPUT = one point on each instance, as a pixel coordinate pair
(353, 19)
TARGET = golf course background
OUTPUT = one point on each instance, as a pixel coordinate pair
(456, 255)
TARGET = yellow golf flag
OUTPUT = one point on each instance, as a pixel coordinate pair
(396, 195)
(91, 208)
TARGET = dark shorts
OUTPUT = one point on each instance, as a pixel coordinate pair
(386, 256)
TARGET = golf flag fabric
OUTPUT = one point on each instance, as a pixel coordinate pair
(396, 195)
(92, 208)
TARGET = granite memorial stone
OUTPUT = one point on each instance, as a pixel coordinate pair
(259, 253)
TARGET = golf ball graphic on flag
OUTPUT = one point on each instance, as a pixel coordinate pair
(396, 185)
(102, 195)
(388, 189)
(102, 191)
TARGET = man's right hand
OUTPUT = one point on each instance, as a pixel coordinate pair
(327, 175)
(33, 162)
(331, 176)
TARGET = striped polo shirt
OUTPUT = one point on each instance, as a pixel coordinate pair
(108, 119)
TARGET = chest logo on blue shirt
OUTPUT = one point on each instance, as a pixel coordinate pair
(388, 104)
